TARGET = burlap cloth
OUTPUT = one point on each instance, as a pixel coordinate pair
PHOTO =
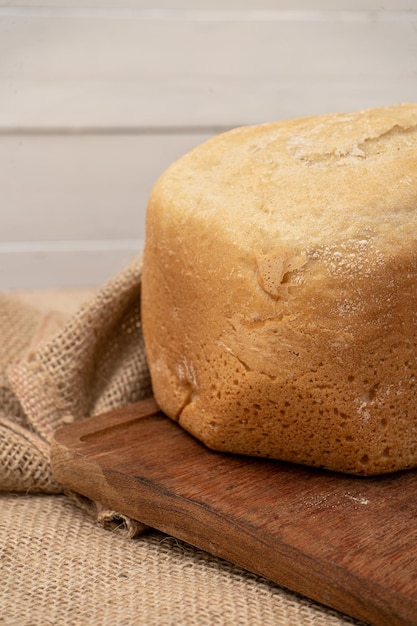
(61, 565)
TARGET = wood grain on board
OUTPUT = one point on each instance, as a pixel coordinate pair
(347, 542)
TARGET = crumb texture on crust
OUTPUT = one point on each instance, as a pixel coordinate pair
(279, 290)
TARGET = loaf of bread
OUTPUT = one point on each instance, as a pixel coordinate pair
(280, 291)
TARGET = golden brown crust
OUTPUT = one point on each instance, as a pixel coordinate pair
(279, 290)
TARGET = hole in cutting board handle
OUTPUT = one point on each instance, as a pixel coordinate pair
(118, 429)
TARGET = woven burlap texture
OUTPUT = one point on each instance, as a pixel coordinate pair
(58, 565)
(59, 568)
(55, 370)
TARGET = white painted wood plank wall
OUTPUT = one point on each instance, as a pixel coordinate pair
(98, 97)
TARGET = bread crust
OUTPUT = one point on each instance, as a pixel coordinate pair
(279, 291)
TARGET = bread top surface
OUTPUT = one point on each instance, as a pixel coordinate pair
(308, 181)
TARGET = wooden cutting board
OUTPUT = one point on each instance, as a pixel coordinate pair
(347, 542)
